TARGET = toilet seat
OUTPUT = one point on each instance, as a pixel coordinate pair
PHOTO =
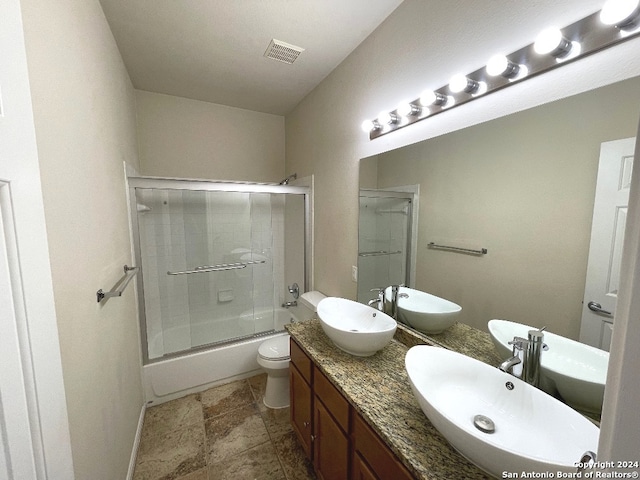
(275, 349)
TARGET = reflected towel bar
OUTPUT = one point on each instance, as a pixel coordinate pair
(482, 251)
(377, 253)
(217, 268)
(129, 273)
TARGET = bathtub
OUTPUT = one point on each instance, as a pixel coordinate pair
(173, 378)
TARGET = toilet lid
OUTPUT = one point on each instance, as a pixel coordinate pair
(275, 348)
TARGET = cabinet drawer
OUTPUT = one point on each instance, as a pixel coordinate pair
(332, 399)
(300, 360)
(376, 453)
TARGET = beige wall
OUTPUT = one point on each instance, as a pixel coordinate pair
(186, 138)
(522, 186)
(83, 104)
(396, 63)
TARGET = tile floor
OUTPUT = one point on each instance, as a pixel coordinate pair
(223, 433)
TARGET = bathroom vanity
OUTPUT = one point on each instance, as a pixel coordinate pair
(356, 417)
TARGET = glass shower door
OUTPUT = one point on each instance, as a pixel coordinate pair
(207, 267)
(232, 244)
(214, 268)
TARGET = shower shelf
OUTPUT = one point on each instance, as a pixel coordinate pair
(217, 268)
(129, 273)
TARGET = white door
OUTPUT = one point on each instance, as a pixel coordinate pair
(607, 235)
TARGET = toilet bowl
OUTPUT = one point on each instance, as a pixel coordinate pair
(273, 357)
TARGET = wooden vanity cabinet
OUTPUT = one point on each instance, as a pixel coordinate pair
(333, 434)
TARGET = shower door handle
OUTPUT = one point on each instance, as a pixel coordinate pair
(217, 268)
(206, 270)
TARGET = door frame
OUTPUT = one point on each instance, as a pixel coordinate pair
(29, 261)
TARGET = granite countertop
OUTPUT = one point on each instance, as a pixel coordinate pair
(378, 388)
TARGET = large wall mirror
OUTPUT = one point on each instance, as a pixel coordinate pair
(523, 187)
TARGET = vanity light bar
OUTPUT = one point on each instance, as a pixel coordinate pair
(552, 49)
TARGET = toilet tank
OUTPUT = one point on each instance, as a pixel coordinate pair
(308, 304)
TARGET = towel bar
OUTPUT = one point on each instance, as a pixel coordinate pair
(482, 251)
(129, 273)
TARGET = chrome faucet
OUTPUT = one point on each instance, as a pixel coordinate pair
(377, 302)
(517, 358)
(531, 367)
(395, 294)
(290, 304)
(526, 352)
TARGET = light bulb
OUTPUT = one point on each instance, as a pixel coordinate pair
(387, 118)
(499, 65)
(621, 13)
(429, 97)
(551, 41)
(459, 83)
(367, 126)
(406, 109)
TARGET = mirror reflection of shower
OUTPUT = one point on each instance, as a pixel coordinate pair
(214, 268)
(385, 246)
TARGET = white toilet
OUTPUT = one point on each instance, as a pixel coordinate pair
(273, 357)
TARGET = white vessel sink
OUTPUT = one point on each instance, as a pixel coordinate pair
(533, 432)
(355, 328)
(423, 311)
(578, 372)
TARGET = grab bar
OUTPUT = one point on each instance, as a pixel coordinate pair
(217, 268)
(129, 273)
(377, 253)
(482, 251)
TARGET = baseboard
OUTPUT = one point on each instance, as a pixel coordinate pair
(136, 443)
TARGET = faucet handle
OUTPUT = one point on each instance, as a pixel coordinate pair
(518, 343)
(294, 290)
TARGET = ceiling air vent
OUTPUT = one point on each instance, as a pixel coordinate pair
(283, 52)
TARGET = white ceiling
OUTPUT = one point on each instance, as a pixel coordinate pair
(213, 50)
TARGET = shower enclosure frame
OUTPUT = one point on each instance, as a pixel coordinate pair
(411, 227)
(208, 186)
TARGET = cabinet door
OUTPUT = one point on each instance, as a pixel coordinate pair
(301, 408)
(361, 470)
(331, 446)
(375, 454)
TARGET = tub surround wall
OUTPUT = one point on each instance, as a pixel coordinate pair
(184, 138)
(83, 104)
